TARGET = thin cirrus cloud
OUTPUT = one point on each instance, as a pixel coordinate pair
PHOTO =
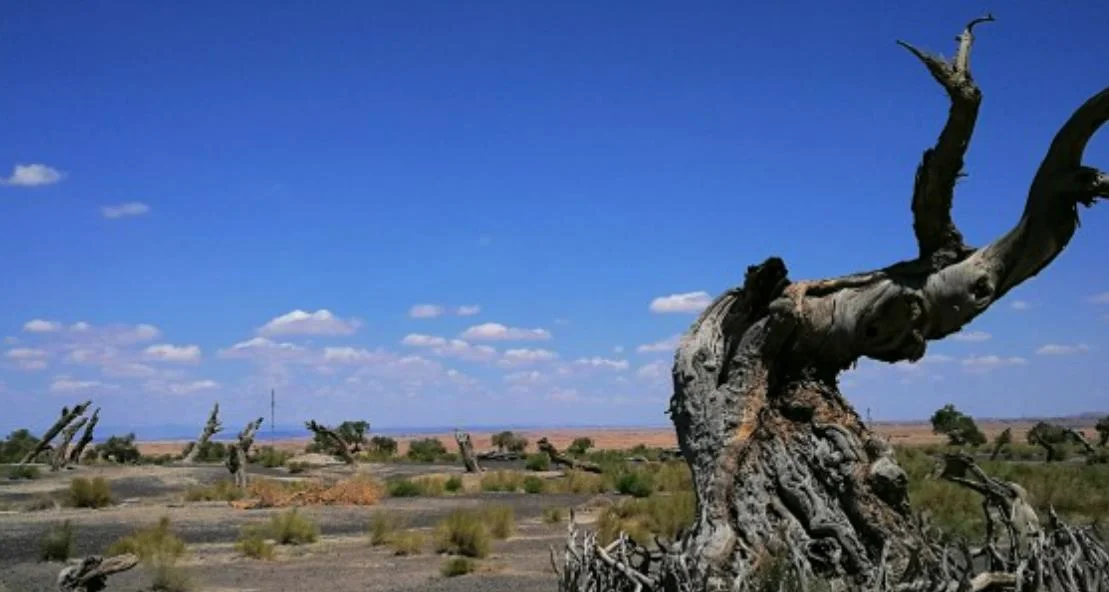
(1102, 298)
(972, 336)
(688, 302)
(499, 332)
(991, 362)
(666, 345)
(172, 353)
(453, 348)
(42, 326)
(431, 311)
(32, 175)
(300, 322)
(124, 210)
(1020, 305)
(1056, 349)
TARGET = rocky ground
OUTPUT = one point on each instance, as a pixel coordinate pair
(341, 561)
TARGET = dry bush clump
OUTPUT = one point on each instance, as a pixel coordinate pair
(457, 566)
(360, 490)
(57, 545)
(383, 525)
(463, 532)
(408, 542)
(85, 493)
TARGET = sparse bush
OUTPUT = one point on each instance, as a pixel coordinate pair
(509, 441)
(533, 484)
(501, 481)
(120, 449)
(463, 532)
(353, 433)
(383, 525)
(152, 545)
(57, 545)
(17, 445)
(290, 528)
(579, 446)
(636, 484)
(552, 515)
(270, 457)
(408, 542)
(17, 472)
(538, 462)
(959, 428)
(170, 578)
(252, 543)
(500, 520)
(296, 468)
(403, 488)
(382, 446)
(457, 566)
(454, 484)
(641, 519)
(577, 481)
(426, 449)
(85, 493)
(223, 490)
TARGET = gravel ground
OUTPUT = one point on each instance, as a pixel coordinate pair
(342, 558)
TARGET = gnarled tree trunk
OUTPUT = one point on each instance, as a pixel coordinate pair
(1048, 436)
(788, 479)
(466, 450)
(544, 445)
(86, 438)
(91, 574)
(237, 455)
(67, 417)
(211, 428)
(61, 452)
(332, 436)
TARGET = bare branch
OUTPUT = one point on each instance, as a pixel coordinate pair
(86, 438)
(544, 445)
(67, 416)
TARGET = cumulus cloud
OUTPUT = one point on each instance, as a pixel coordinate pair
(467, 310)
(69, 385)
(990, 362)
(172, 353)
(499, 332)
(124, 210)
(299, 322)
(522, 356)
(456, 348)
(27, 358)
(42, 326)
(1055, 349)
(352, 355)
(688, 302)
(666, 345)
(599, 362)
(425, 311)
(32, 175)
(261, 348)
(972, 336)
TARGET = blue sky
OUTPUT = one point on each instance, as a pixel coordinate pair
(206, 200)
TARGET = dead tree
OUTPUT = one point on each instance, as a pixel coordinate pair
(237, 455)
(211, 428)
(330, 435)
(544, 445)
(67, 417)
(91, 574)
(1102, 429)
(60, 456)
(785, 472)
(86, 438)
(466, 450)
(1002, 440)
(1048, 436)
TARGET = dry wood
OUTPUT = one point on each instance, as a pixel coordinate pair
(68, 416)
(60, 456)
(237, 454)
(211, 428)
(466, 451)
(784, 470)
(544, 445)
(91, 574)
(86, 438)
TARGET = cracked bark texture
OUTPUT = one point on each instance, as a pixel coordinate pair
(211, 428)
(784, 469)
(91, 573)
(86, 438)
(67, 417)
(466, 451)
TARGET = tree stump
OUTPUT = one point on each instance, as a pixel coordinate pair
(466, 451)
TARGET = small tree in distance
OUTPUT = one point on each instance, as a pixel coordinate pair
(959, 428)
(580, 446)
(509, 441)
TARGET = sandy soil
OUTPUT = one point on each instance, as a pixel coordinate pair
(342, 558)
(622, 438)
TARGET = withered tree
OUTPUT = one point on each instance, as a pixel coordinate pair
(466, 451)
(60, 456)
(338, 444)
(1002, 441)
(788, 479)
(211, 428)
(86, 438)
(67, 417)
(544, 445)
(237, 455)
(91, 573)
(1050, 436)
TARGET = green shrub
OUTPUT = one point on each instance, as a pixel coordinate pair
(403, 488)
(579, 446)
(426, 449)
(120, 449)
(383, 447)
(23, 472)
(383, 525)
(84, 493)
(577, 481)
(533, 484)
(158, 548)
(170, 578)
(408, 542)
(500, 520)
(270, 457)
(252, 543)
(290, 528)
(454, 484)
(501, 481)
(463, 532)
(57, 545)
(457, 566)
(660, 514)
(223, 490)
(538, 462)
(635, 484)
(509, 441)
(17, 445)
(552, 515)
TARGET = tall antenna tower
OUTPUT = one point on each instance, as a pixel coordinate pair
(273, 405)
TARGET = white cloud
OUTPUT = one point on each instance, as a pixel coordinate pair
(653, 370)
(525, 377)
(467, 310)
(172, 353)
(41, 326)
(32, 175)
(666, 345)
(128, 370)
(351, 355)
(182, 388)
(124, 210)
(688, 302)
(618, 349)
(565, 395)
(1055, 349)
(68, 385)
(990, 362)
(262, 348)
(25, 353)
(425, 311)
(126, 334)
(299, 322)
(1102, 298)
(499, 332)
(514, 357)
(456, 348)
(80, 327)
(1019, 305)
(972, 336)
(599, 362)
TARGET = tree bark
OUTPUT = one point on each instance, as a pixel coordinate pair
(60, 457)
(466, 450)
(68, 416)
(211, 428)
(334, 437)
(91, 574)
(86, 438)
(544, 445)
(236, 460)
(785, 472)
